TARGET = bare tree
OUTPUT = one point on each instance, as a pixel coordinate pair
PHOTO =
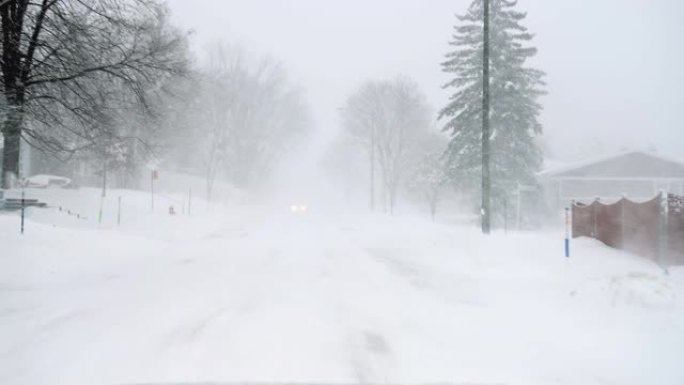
(59, 55)
(250, 116)
(428, 173)
(386, 117)
(361, 117)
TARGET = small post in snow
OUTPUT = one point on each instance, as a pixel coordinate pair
(154, 174)
(567, 232)
(23, 207)
(99, 214)
(118, 212)
(189, 200)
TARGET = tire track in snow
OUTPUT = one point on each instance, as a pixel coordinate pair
(368, 351)
(189, 332)
(439, 284)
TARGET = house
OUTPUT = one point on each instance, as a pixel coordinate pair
(636, 175)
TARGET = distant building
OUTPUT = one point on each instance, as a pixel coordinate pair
(636, 175)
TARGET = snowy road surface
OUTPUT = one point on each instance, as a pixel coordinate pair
(251, 294)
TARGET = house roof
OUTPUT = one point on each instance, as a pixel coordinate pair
(635, 164)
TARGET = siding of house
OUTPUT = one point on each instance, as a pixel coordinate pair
(636, 175)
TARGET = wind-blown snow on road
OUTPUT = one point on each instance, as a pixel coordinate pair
(240, 293)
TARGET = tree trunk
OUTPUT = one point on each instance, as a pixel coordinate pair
(12, 141)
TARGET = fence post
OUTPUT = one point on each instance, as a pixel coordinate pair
(662, 228)
(594, 215)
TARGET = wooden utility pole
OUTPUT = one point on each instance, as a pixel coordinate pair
(486, 182)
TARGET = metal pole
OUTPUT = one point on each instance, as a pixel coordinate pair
(152, 188)
(118, 213)
(23, 206)
(567, 232)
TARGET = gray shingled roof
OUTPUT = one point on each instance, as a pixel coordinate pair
(627, 165)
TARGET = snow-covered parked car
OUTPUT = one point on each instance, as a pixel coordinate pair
(48, 181)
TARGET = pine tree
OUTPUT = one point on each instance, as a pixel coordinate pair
(514, 108)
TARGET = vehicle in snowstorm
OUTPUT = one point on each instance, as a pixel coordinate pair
(298, 209)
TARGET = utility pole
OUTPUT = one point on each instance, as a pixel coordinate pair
(486, 182)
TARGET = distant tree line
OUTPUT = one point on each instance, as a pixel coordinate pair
(112, 84)
(238, 117)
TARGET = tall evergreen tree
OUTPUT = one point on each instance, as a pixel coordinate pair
(514, 91)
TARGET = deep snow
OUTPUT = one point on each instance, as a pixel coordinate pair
(254, 293)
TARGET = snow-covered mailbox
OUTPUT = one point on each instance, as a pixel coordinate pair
(636, 175)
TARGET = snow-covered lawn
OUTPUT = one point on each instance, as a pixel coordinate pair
(247, 293)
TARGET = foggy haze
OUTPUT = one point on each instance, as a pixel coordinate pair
(613, 66)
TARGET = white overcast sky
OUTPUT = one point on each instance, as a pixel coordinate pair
(615, 67)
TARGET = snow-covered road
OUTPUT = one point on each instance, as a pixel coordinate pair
(256, 294)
